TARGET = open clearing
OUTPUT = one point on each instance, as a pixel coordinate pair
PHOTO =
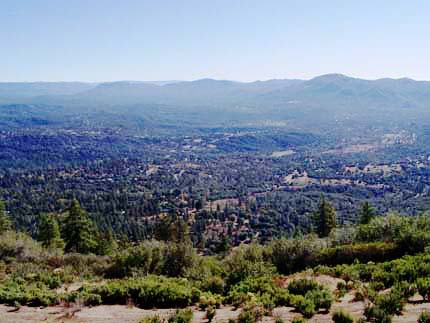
(131, 314)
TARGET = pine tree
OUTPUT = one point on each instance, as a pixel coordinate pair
(179, 231)
(107, 243)
(224, 245)
(367, 212)
(5, 222)
(326, 218)
(49, 232)
(78, 231)
(172, 228)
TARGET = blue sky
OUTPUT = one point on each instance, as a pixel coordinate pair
(106, 40)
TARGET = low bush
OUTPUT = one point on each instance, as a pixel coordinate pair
(247, 261)
(181, 316)
(306, 307)
(279, 319)
(391, 303)
(148, 292)
(145, 258)
(208, 299)
(423, 287)
(251, 313)
(363, 252)
(377, 315)
(210, 313)
(21, 247)
(308, 297)
(341, 289)
(214, 285)
(424, 317)
(302, 286)
(341, 316)
(18, 291)
(261, 289)
(321, 298)
(152, 319)
(298, 320)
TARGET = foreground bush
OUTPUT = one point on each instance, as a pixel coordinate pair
(208, 299)
(423, 287)
(306, 307)
(18, 291)
(293, 255)
(302, 286)
(342, 317)
(321, 298)
(251, 313)
(145, 258)
(180, 316)
(152, 319)
(20, 247)
(362, 252)
(247, 261)
(308, 297)
(148, 292)
(386, 305)
(298, 320)
(377, 315)
(262, 289)
(424, 317)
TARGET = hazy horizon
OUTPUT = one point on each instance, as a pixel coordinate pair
(166, 81)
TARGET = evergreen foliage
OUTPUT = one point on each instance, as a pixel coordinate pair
(79, 231)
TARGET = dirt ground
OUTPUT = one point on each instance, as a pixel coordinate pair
(130, 314)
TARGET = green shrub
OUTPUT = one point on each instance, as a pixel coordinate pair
(251, 313)
(294, 255)
(83, 265)
(181, 316)
(391, 303)
(208, 299)
(145, 258)
(342, 317)
(376, 286)
(20, 246)
(210, 313)
(376, 315)
(423, 287)
(262, 289)
(214, 285)
(424, 317)
(360, 294)
(341, 289)
(18, 291)
(148, 292)
(298, 320)
(246, 261)
(404, 289)
(321, 298)
(363, 252)
(279, 319)
(302, 286)
(306, 307)
(178, 258)
(152, 319)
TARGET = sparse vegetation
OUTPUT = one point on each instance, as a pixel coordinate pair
(342, 317)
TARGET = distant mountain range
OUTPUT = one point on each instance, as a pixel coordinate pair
(330, 97)
(328, 87)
